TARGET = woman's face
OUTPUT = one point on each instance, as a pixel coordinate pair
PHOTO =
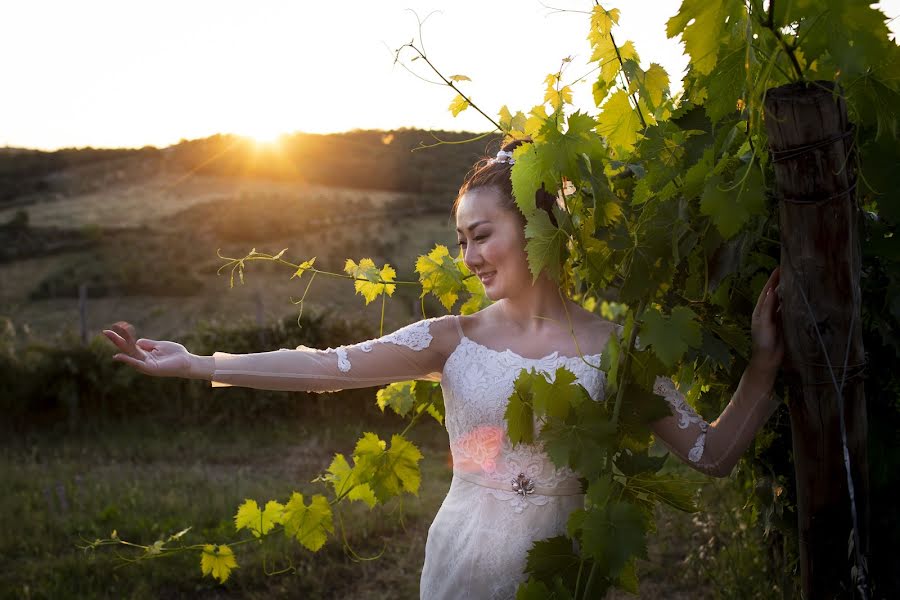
(492, 239)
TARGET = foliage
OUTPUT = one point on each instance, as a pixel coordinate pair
(665, 215)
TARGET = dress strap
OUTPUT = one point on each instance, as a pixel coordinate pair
(459, 327)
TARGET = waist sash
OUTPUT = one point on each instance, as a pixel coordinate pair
(523, 485)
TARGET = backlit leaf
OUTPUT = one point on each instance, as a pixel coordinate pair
(619, 122)
(308, 524)
(249, 516)
(458, 105)
(217, 561)
(376, 280)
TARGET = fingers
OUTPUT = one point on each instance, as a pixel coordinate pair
(128, 360)
(145, 344)
(122, 335)
(766, 297)
(125, 331)
(116, 339)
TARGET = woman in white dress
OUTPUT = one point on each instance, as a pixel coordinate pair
(502, 497)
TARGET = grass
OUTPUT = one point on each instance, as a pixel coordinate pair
(148, 482)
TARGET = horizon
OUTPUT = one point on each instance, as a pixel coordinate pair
(270, 143)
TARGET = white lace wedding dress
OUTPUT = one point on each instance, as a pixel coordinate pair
(502, 497)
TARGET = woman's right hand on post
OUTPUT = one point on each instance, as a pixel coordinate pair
(151, 357)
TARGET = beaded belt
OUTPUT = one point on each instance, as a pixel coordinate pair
(523, 485)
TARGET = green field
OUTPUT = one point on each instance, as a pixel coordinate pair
(148, 481)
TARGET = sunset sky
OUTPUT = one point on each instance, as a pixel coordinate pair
(115, 73)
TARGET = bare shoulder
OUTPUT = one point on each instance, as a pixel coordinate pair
(594, 330)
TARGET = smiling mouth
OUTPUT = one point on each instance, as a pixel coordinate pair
(486, 276)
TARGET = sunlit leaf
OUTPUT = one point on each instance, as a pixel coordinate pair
(217, 561)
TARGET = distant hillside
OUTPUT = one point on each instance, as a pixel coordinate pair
(373, 160)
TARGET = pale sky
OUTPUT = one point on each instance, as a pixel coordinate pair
(128, 73)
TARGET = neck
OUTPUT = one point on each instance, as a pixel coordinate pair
(538, 308)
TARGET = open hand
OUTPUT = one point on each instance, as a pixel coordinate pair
(765, 326)
(151, 357)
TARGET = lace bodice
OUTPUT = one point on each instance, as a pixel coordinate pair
(477, 381)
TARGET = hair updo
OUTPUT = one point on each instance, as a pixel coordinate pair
(490, 173)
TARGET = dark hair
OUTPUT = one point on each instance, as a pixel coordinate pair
(490, 173)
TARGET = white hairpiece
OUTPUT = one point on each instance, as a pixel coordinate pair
(504, 157)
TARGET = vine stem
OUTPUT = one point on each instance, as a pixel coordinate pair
(770, 25)
(620, 393)
(450, 83)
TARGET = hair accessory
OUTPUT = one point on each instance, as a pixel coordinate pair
(504, 157)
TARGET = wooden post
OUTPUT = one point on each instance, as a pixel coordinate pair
(810, 141)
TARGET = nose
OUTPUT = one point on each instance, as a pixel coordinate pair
(472, 257)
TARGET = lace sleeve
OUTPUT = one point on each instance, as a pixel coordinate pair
(712, 448)
(416, 351)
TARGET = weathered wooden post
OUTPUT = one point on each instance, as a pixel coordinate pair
(810, 142)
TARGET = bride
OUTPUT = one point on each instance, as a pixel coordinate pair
(502, 497)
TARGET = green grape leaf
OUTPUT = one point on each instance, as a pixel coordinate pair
(555, 399)
(532, 589)
(553, 557)
(602, 21)
(519, 412)
(546, 246)
(731, 209)
(372, 287)
(701, 25)
(695, 177)
(557, 97)
(600, 490)
(631, 463)
(258, 522)
(531, 167)
(400, 396)
(628, 579)
(853, 34)
(670, 336)
(440, 275)
(609, 363)
(217, 561)
(727, 82)
(640, 407)
(342, 477)
(388, 471)
(716, 350)
(458, 105)
(581, 441)
(615, 534)
(619, 122)
(652, 84)
(430, 397)
(512, 123)
(308, 524)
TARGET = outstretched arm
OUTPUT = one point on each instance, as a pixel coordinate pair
(416, 351)
(715, 448)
